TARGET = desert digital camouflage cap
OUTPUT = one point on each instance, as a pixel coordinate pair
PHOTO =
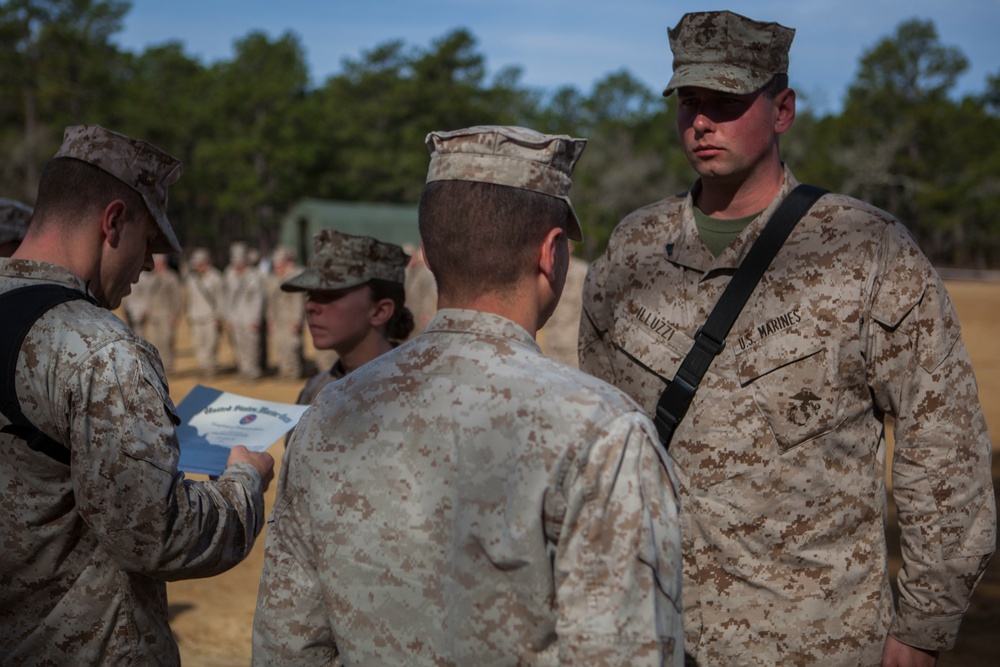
(342, 260)
(138, 164)
(199, 255)
(514, 156)
(14, 219)
(727, 52)
(282, 253)
(238, 252)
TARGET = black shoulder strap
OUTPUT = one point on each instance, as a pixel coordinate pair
(710, 338)
(20, 309)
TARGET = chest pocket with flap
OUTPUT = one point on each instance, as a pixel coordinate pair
(793, 384)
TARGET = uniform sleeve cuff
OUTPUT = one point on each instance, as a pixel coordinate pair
(927, 631)
(248, 477)
(248, 473)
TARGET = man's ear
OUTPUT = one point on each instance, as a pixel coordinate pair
(112, 220)
(549, 258)
(784, 103)
(423, 252)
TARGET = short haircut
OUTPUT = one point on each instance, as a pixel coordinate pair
(778, 83)
(482, 237)
(72, 189)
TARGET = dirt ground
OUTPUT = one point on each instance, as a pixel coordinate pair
(212, 618)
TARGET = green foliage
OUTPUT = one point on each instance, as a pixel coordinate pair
(902, 144)
(255, 136)
(56, 66)
(992, 96)
(908, 67)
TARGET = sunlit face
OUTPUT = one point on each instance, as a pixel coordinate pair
(126, 260)
(726, 136)
(340, 319)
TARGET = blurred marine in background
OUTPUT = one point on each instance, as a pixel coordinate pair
(204, 294)
(14, 219)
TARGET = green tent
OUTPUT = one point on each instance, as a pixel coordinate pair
(392, 223)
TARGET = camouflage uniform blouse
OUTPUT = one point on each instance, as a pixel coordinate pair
(87, 549)
(316, 383)
(781, 457)
(464, 500)
(244, 296)
(204, 296)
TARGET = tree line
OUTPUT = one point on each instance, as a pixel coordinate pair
(255, 136)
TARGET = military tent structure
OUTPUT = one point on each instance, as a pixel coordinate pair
(392, 223)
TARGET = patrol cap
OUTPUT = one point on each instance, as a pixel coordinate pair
(342, 260)
(282, 253)
(727, 52)
(14, 219)
(138, 164)
(199, 255)
(505, 155)
(238, 252)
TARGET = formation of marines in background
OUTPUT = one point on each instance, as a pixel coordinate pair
(195, 295)
(467, 496)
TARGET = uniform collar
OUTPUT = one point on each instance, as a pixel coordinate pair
(455, 320)
(337, 370)
(31, 271)
(687, 249)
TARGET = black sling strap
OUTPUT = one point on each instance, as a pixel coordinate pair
(710, 338)
(20, 309)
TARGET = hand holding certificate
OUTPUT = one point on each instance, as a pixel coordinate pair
(214, 421)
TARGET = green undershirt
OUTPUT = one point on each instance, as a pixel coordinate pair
(717, 233)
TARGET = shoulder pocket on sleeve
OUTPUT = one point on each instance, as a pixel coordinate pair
(151, 436)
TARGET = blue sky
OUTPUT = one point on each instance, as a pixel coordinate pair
(569, 42)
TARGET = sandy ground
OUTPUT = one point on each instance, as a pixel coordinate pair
(212, 618)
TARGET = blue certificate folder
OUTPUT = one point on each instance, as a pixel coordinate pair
(214, 421)
(197, 453)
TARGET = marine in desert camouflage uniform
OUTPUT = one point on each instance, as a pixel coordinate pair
(135, 305)
(245, 292)
(559, 337)
(354, 302)
(204, 293)
(164, 305)
(285, 314)
(89, 544)
(14, 220)
(421, 290)
(781, 458)
(463, 499)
